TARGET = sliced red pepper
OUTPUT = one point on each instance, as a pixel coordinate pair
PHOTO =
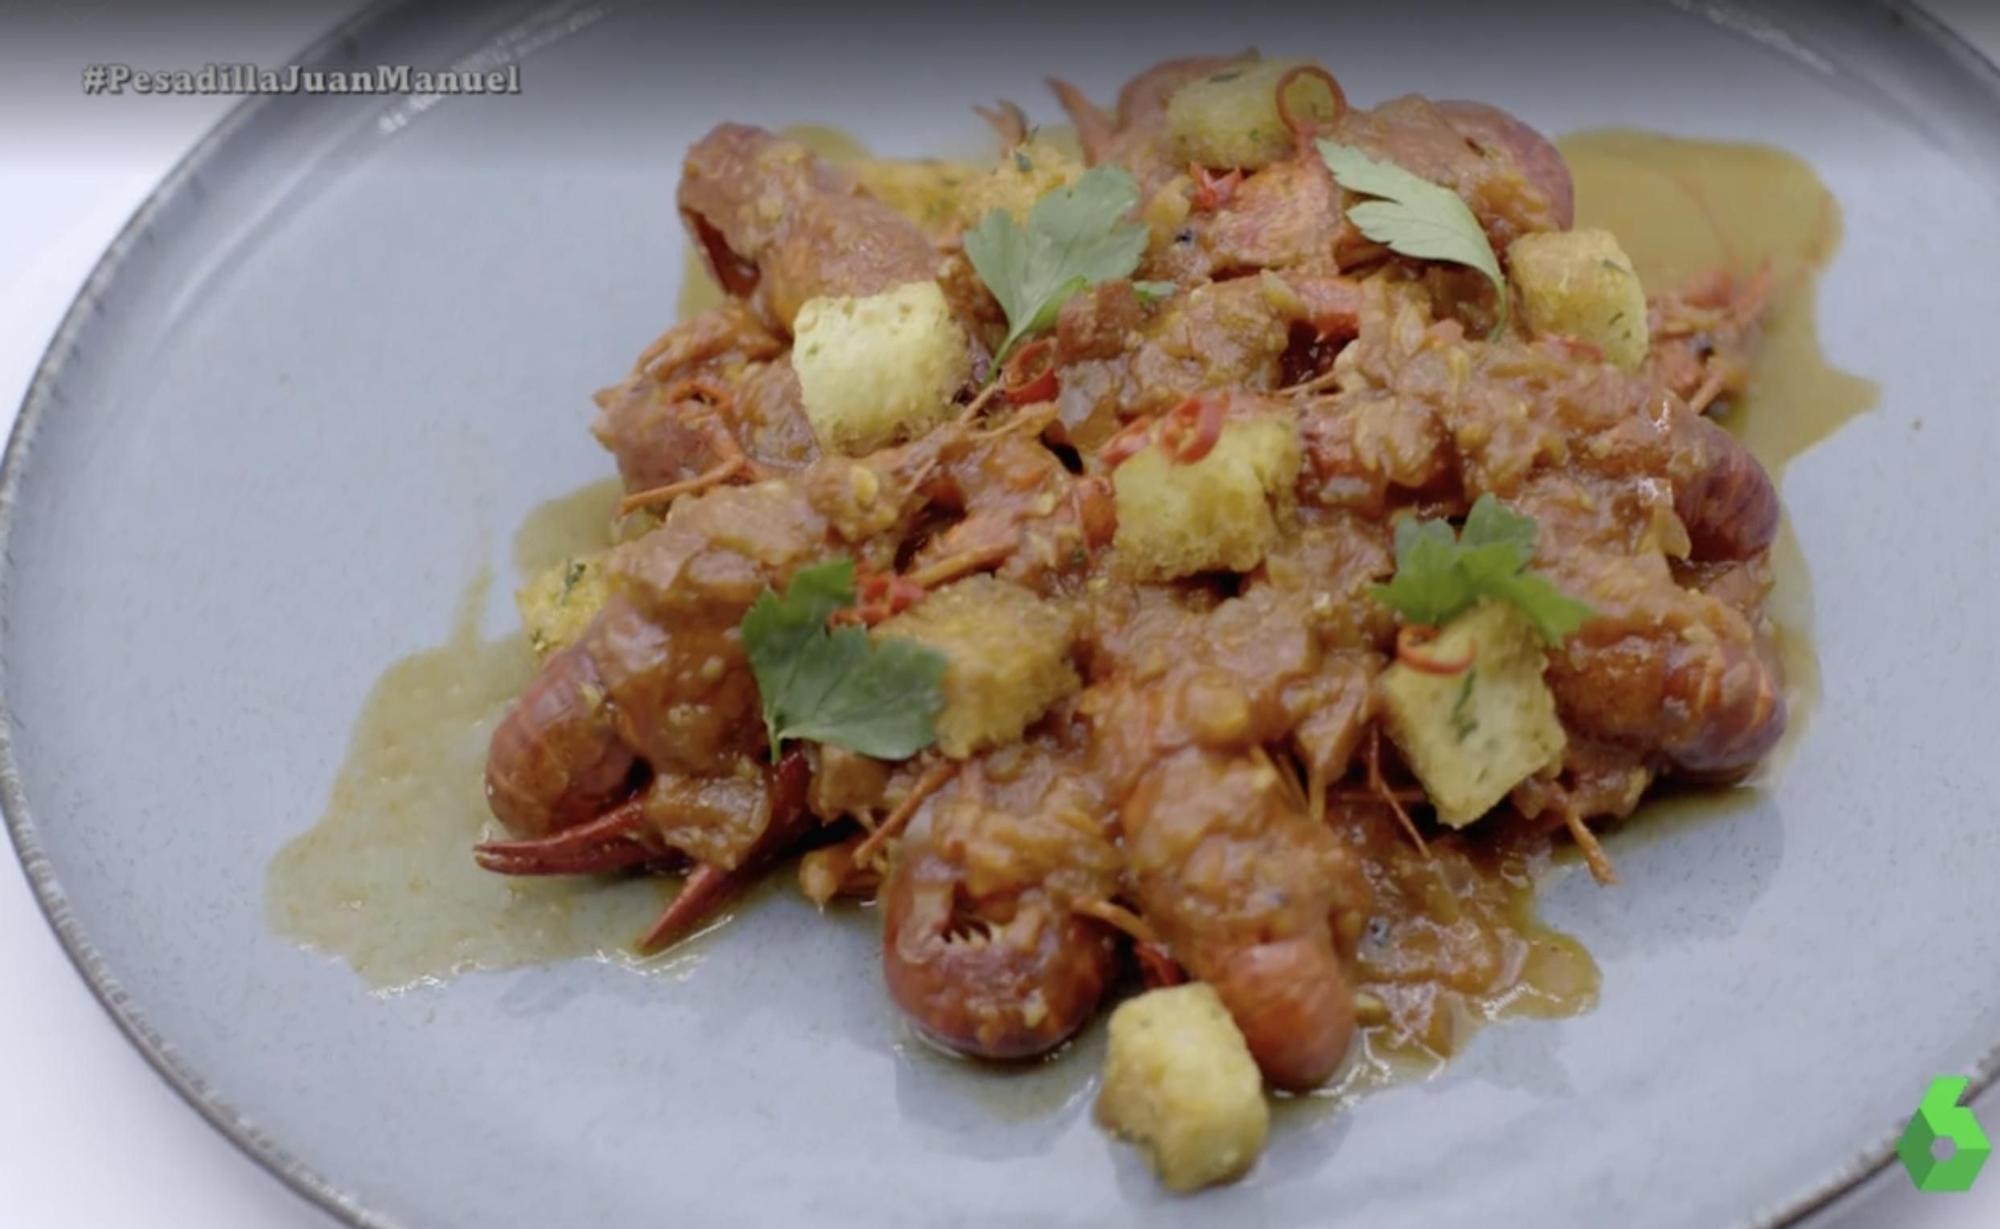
(1125, 445)
(1304, 127)
(882, 595)
(1411, 645)
(1029, 375)
(1212, 191)
(1191, 428)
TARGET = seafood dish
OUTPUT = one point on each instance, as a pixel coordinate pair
(1206, 559)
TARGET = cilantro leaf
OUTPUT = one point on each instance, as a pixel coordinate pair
(1076, 237)
(1426, 588)
(1554, 613)
(778, 633)
(1440, 575)
(1463, 723)
(1492, 523)
(877, 697)
(1414, 217)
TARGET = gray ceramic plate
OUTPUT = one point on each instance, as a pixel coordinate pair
(344, 349)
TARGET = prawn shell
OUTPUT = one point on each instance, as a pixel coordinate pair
(1291, 1001)
(556, 758)
(1000, 990)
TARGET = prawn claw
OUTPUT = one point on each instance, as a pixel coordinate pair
(617, 840)
(702, 892)
(707, 886)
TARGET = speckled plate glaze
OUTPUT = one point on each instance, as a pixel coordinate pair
(346, 346)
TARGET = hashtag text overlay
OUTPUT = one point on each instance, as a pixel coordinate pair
(292, 79)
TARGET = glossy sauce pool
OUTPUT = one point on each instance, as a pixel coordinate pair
(385, 880)
(1681, 207)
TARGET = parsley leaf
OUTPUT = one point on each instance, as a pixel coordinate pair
(1426, 589)
(1440, 575)
(1076, 237)
(878, 697)
(1463, 723)
(571, 574)
(1492, 523)
(1415, 217)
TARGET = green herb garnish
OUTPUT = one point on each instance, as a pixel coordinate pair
(838, 685)
(1463, 723)
(1076, 237)
(1414, 217)
(1153, 292)
(1440, 575)
(571, 574)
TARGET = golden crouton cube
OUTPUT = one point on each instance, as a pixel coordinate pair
(945, 197)
(1230, 117)
(1472, 736)
(1180, 1083)
(558, 604)
(1581, 284)
(1008, 655)
(1023, 176)
(1220, 513)
(880, 368)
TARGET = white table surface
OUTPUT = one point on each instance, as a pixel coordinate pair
(89, 1135)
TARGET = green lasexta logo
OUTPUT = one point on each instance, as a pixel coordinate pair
(1942, 1117)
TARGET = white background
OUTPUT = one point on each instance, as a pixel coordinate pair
(89, 1136)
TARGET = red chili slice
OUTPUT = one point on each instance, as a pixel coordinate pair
(879, 596)
(1191, 429)
(1123, 446)
(1029, 375)
(1305, 128)
(1411, 643)
(1212, 191)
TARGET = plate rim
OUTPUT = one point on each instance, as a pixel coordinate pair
(1848, 1179)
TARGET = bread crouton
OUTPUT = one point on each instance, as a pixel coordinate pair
(880, 368)
(1180, 1083)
